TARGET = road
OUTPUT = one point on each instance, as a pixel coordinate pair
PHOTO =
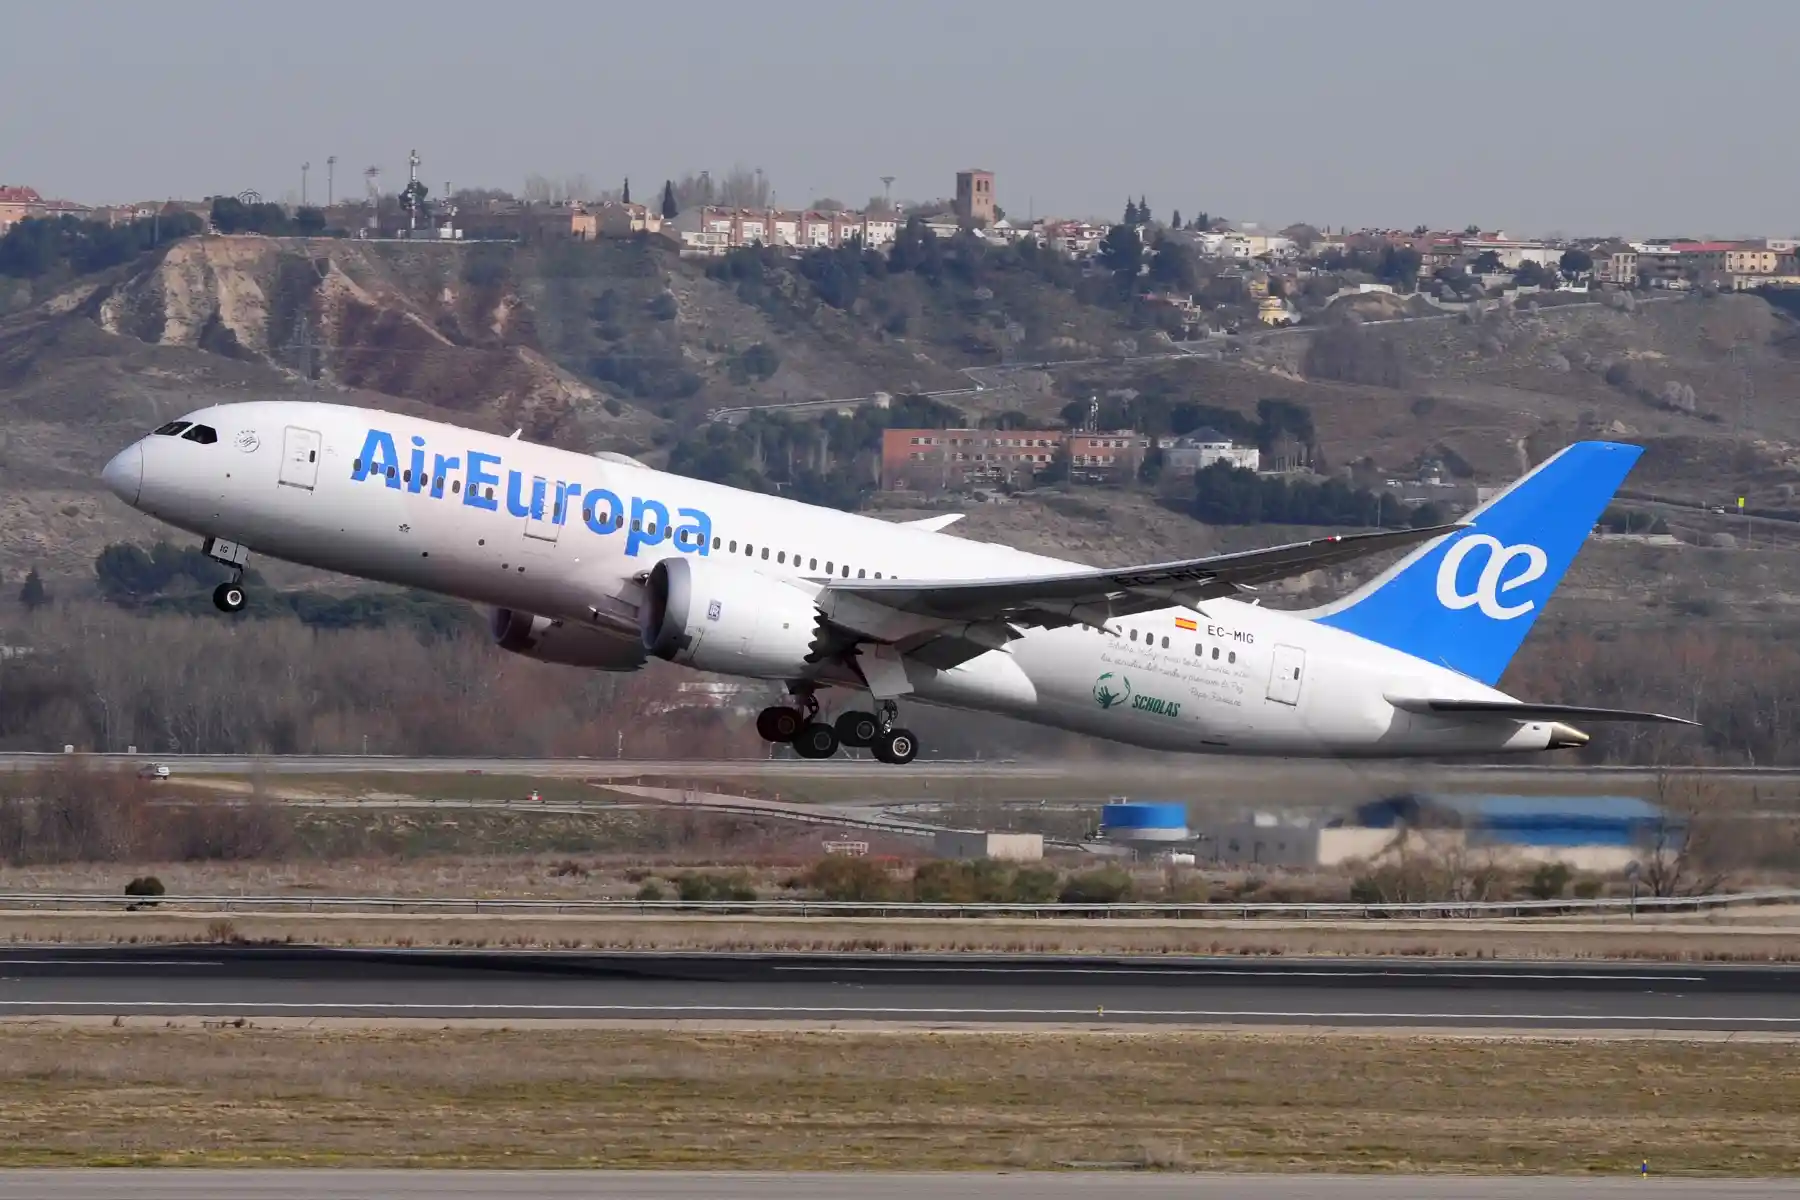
(227, 981)
(1234, 769)
(697, 1185)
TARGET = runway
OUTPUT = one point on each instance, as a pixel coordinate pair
(689, 1185)
(225, 981)
(1234, 769)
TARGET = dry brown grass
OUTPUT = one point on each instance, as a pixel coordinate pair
(1694, 940)
(754, 1100)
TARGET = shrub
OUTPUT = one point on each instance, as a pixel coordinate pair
(1549, 881)
(855, 880)
(651, 891)
(696, 888)
(1108, 885)
(144, 885)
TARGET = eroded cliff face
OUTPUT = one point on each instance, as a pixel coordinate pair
(403, 321)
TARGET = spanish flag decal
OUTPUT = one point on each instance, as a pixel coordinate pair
(1184, 623)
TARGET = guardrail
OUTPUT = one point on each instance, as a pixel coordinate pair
(1435, 909)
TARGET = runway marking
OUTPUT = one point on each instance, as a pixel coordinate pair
(664, 1010)
(1177, 972)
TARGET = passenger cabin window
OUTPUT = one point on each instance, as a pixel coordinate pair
(765, 554)
(206, 435)
(812, 564)
(861, 574)
(716, 542)
(1165, 644)
(169, 430)
(782, 557)
(829, 569)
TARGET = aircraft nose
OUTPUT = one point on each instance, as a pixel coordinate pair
(125, 473)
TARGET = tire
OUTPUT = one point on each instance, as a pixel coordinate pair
(857, 729)
(896, 746)
(229, 598)
(778, 724)
(816, 740)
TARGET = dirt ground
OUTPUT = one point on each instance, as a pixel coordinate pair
(1673, 940)
(331, 1096)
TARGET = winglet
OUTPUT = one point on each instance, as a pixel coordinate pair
(933, 524)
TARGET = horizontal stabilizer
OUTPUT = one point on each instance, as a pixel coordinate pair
(933, 524)
(1527, 712)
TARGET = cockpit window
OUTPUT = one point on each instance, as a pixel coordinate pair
(171, 429)
(206, 435)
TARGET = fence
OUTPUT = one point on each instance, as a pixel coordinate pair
(1429, 910)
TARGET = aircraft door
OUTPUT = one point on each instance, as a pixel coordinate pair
(544, 521)
(300, 457)
(1286, 674)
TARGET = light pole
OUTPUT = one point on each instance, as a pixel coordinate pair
(304, 168)
(330, 179)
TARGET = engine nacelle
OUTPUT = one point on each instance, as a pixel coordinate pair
(553, 641)
(720, 616)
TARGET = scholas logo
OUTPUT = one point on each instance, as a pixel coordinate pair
(483, 482)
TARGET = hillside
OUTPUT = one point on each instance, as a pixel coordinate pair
(622, 345)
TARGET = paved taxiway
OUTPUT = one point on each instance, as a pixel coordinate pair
(689, 1185)
(207, 981)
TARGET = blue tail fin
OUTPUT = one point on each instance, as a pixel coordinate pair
(1467, 600)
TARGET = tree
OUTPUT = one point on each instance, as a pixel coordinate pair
(33, 595)
(668, 204)
(1533, 274)
(1175, 219)
(1487, 263)
(1122, 253)
(625, 194)
(1172, 267)
(1576, 262)
(1399, 266)
(1143, 211)
(309, 222)
(1131, 212)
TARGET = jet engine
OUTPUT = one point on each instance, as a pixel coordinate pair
(554, 641)
(723, 617)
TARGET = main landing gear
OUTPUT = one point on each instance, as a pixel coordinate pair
(228, 597)
(800, 727)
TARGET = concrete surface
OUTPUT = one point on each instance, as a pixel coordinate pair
(685, 1185)
(228, 981)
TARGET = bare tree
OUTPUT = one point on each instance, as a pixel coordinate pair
(1679, 849)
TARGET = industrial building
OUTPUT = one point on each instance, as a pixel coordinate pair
(1593, 833)
(1144, 826)
(977, 843)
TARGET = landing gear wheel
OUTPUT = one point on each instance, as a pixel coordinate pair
(778, 724)
(857, 729)
(816, 740)
(229, 597)
(896, 746)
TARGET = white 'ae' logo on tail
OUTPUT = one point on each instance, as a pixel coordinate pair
(1493, 581)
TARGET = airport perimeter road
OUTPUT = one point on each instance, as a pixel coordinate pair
(694, 1185)
(206, 981)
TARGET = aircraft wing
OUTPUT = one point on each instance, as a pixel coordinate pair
(1090, 597)
(1528, 712)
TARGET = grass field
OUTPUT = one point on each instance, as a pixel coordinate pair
(1674, 940)
(977, 1100)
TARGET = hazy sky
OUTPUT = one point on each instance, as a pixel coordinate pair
(1581, 116)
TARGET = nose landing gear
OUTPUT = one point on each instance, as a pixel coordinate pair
(228, 597)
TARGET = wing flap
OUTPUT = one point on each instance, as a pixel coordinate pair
(1518, 711)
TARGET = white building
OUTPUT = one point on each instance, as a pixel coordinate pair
(976, 843)
(1202, 449)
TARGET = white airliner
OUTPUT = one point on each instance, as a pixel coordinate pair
(598, 561)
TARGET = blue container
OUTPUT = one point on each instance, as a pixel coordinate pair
(1144, 822)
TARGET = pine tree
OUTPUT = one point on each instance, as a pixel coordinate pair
(668, 205)
(625, 196)
(1131, 212)
(1143, 211)
(33, 595)
(1175, 219)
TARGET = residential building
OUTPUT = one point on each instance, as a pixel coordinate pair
(18, 203)
(1106, 454)
(1514, 252)
(975, 197)
(713, 230)
(1615, 263)
(940, 459)
(622, 220)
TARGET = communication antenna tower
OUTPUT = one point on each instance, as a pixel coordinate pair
(887, 192)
